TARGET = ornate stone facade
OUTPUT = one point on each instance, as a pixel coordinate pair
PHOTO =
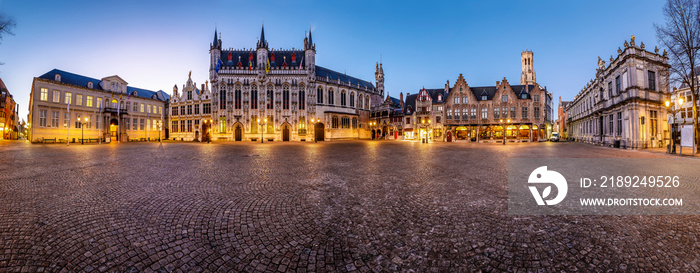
(624, 105)
(190, 112)
(277, 94)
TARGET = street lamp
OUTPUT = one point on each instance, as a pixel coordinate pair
(82, 129)
(504, 130)
(670, 105)
(262, 125)
(313, 127)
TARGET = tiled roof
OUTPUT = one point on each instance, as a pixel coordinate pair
(410, 102)
(333, 75)
(490, 91)
(434, 94)
(82, 81)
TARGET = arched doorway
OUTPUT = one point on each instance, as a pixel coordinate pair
(384, 132)
(205, 131)
(319, 131)
(373, 134)
(238, 133)
(113, 128)
(449, 136)
(196, 135)
(285, 133)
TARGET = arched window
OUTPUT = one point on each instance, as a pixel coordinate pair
(343, 99)
(334, 122)
(222, 98)
(331, 99)
(367, 102)
(90, 85)
(254, 97)
(352, 99)
(302, 98)
(270, 97)
(354, 123)
(360, 101)
(285, 97)
(57, 77)
(319, 95)
(237, 97)
(439, 97)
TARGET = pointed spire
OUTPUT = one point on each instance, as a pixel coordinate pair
(308, 42)
(311, 41)
(262, 43)
(216, 38)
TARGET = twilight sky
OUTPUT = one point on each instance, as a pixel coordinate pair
(154, 44)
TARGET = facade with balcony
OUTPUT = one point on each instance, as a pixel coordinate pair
(64, 106)
(190, 113)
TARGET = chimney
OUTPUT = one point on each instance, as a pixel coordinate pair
(201, 90)
(401, 99)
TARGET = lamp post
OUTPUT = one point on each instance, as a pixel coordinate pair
(313, 127)
(504, 130)
(82, 129)
(160, 131)
(262, 125)
(670, 105)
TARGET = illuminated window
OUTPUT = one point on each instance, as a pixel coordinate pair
(88, 102)
(78, 99)
(44, 94)
(142, 107)
(222, 124)
(253, 98)
(99, 102)
(149, 108)
(68, 98)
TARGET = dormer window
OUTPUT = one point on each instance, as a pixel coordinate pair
(57, 77)
(89, 85)
(484, 97)
(523, 96)
(439, 97)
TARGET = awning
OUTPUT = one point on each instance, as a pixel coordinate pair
(408, 130)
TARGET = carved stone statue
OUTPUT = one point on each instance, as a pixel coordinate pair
(601, 63)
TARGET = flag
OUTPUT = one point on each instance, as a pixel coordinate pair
(128, 96)
(267, 68)
(219, 63)
(302, 61)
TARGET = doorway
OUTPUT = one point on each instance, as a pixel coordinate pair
(449, 136)
(113, 129)
(319, 131)
(238, 133)
(285, 133)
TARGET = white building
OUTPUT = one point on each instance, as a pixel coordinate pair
(624, 105)
(190, 112)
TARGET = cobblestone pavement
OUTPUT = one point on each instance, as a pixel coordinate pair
(356, 206)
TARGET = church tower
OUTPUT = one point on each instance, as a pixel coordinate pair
(528, 76)
(379, 76)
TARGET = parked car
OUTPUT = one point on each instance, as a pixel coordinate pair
(554, 137)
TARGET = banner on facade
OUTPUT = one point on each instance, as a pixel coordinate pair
(687, 135)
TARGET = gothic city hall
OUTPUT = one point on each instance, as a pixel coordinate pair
(267, 94)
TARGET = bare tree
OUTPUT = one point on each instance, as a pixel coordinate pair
(681, 35)
(6, 25)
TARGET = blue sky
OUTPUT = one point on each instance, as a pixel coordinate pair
(153, 45)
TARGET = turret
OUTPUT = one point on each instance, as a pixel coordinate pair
(262, 50)
(214, 53)
(175, 94)
(528, 76)
(379, 76)
(309, 52)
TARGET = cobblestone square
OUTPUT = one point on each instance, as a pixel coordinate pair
(348, 206)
